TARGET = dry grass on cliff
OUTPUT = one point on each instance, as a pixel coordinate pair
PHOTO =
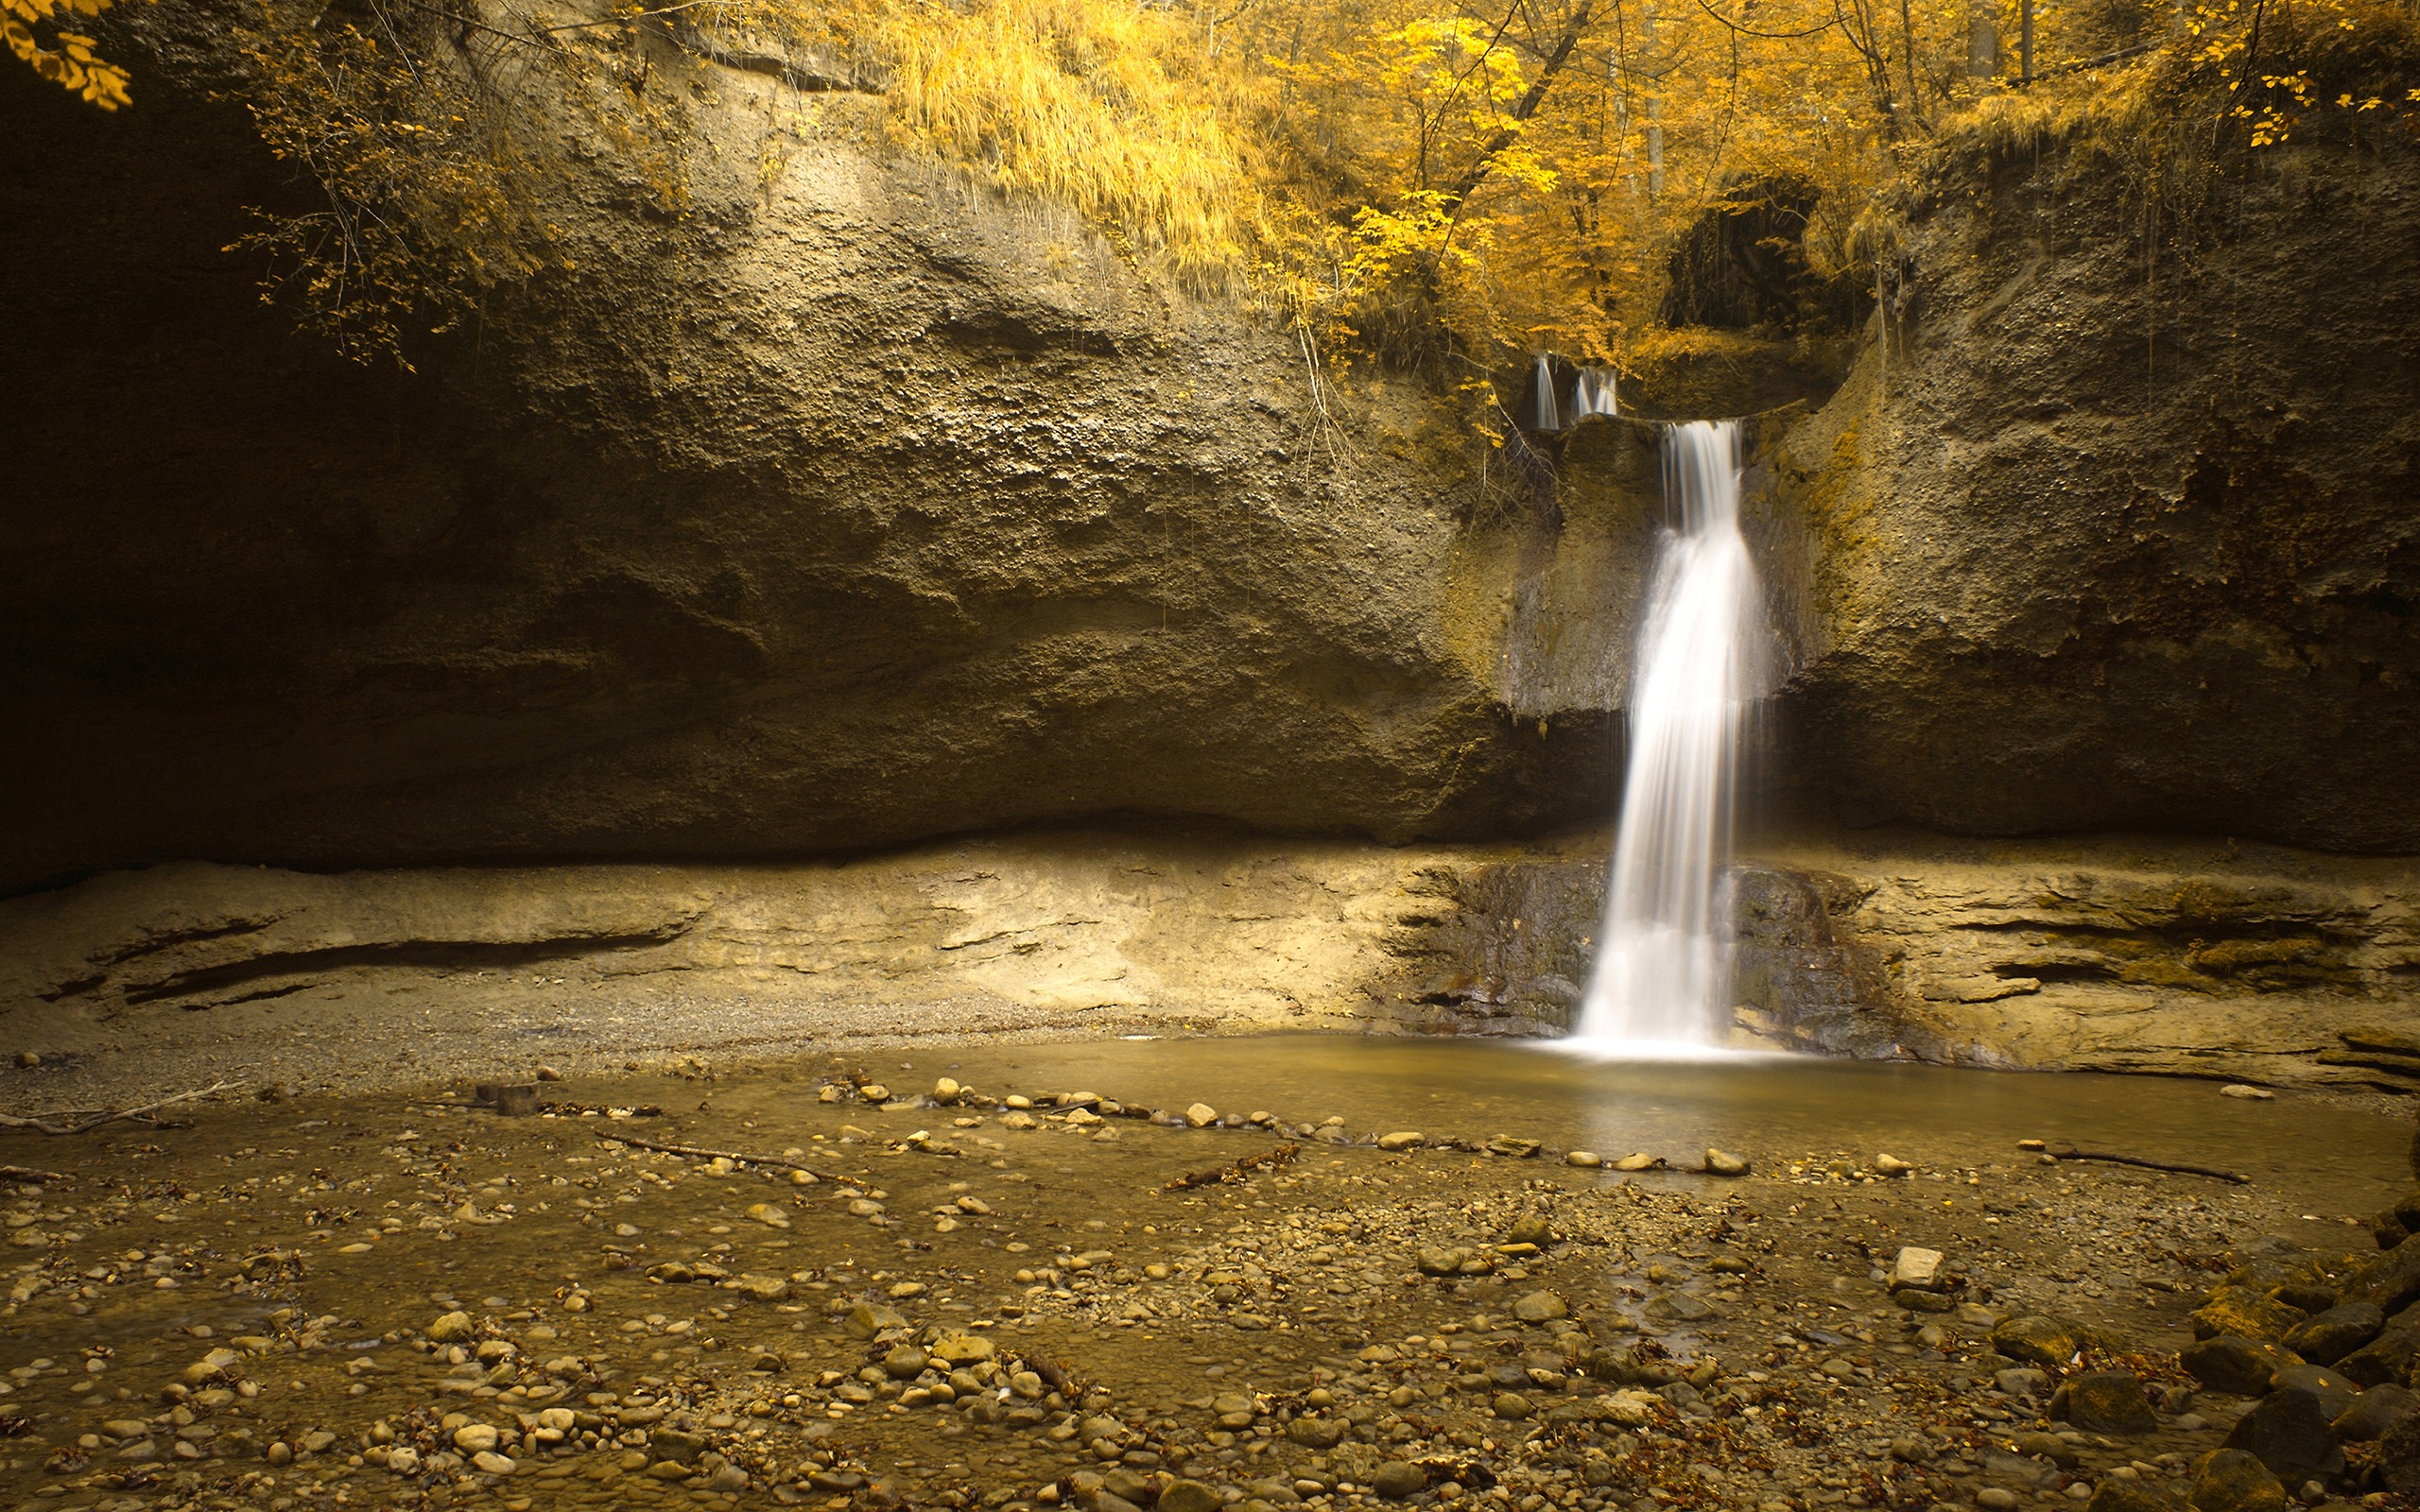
(1108, 111)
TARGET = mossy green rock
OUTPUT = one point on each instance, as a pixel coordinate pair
(2051, 1343)
(2242, 1312)
(2229, 1480)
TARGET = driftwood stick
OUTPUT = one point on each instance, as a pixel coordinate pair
(735, 1156)
(2069, 1152)
(1235, 1171)
(81, 1122)
(28, 1174)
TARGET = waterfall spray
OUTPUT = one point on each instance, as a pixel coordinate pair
(1704, 655)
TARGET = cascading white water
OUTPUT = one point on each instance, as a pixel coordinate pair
(1704, 656)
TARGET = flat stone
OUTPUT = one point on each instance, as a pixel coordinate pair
(1639, 1161)
(1402, 1139)
(1541, 1307)
(1916, 1268)
(866, 1319)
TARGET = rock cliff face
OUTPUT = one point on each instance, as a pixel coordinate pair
(2108, 541)
(857, 508)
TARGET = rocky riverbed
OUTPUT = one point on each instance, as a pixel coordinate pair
(938, 1282)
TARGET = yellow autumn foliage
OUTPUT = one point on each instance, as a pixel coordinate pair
(1436, 184)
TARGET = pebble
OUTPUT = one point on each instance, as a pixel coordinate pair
(2260, 1094)
(1402, 1139)
(1640, 1162)
(1721, 1162)
(1888, 1164)
(1200, 1115)
(1585, 1159)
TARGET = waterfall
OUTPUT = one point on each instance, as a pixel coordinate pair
(1704, 656)
(1545, 417)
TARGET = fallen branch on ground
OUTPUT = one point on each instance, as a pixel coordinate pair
(1235, 1171)
(734, 1157)
(2069, 1152)
(28, 1174)
(82, 1121)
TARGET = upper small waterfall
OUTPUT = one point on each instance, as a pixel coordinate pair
(1704, 655)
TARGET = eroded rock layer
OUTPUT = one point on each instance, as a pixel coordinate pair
(2167, 956)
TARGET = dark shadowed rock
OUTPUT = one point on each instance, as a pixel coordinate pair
(2386, 1358)
(2287, 1431)
(2333, 1391)
(2373, 1413)
(2399, 1454)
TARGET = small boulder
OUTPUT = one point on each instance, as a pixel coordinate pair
(2389, 1282)
(1189, 1496)
(1721, 1162)
(1200, 1115)
(2387, 1358)
(2335, 1333)
(2113, 1495)
(1397, 1479)
(2108, 1402)
(2334, 1392)
(2051, 1343)
(2229, 1480)
(451, 1328)
(2399, 1455)
(2235, 1365)
(1318, 1432)
(1541, 1307)
(2373, 1413)
(2287, 1431)
(2245, 1313)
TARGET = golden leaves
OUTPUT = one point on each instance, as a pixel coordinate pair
(71, 63)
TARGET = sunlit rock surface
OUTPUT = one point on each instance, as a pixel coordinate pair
(2158, 956)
